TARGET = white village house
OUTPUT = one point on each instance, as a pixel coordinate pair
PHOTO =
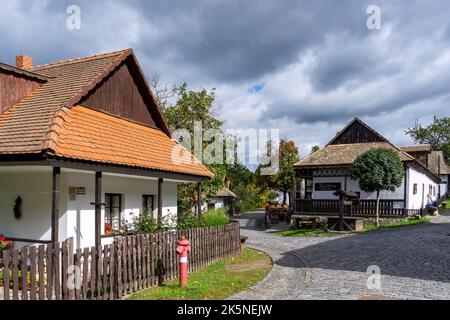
(83, 146)
(223, 199)
(326, 170)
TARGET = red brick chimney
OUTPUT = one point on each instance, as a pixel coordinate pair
(24, 62)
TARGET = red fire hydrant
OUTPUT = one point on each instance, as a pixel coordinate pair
(182, 249)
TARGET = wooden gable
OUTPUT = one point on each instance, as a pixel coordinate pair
(122, 94)
(357, 132)
(14, 87)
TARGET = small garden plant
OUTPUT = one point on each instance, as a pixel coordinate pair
(5, 245)
(147, 224)
(216, 217)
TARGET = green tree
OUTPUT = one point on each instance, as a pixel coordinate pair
(436, 134)
(192, 106)
(181, 108)
(288, 153)
(377, 170)
(315, 149)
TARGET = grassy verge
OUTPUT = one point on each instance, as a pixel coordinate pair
(394, 225)
(367, 227)
(447, 206)
(305, 233)
(217, 281)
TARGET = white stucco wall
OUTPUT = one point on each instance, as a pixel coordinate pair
(218, 203)
(77, 218)
(80, 214)
(444, 185)
(33, 185)
(352, 185)
(418, 200)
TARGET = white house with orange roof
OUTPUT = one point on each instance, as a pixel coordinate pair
(84, 147)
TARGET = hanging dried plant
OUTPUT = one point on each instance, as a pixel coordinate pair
(18, 208)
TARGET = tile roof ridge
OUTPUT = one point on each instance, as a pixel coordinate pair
(78, 59)
(24, 72)
(56, 124)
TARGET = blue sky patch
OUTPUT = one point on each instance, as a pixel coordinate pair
(257, 87)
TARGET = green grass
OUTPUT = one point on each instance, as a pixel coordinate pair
(305, 233)
(216, 217)
(217, 281)
(367, 227)
(394, 225)
(447, 206)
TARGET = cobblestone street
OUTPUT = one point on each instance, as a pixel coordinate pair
(414, 263)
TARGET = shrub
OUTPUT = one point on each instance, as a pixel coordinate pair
(216, 217)
(144, 224)
(188, 220)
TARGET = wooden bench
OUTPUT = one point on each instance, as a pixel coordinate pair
(301, 221)
(355, 223)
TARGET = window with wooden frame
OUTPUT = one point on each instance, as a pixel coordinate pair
(113, 210)
(147, 204)
(415, 188)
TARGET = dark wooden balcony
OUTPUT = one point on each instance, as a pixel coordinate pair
(365, 208)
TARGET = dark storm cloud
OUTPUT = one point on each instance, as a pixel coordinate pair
(221, 40)
(317, 59)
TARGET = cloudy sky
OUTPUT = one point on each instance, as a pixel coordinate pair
(305, 67)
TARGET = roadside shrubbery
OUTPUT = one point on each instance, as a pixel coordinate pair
(146, 224)
(250, 197)
(215, 218)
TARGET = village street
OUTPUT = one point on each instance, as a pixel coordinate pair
(413, 262)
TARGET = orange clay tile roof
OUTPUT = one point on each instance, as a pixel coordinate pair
(47, 121)
(24, 127)
(91, 135)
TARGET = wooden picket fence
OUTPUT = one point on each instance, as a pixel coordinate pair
(130, 264)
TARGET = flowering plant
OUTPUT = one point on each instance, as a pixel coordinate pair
(5, 245)
(108, 228)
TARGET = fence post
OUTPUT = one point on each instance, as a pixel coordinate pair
(6, 259)
(117, 267)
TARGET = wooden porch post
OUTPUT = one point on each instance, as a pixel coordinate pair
(160, 199)
(98, 208)
(55, 203)
(199, 198)
(294, 196)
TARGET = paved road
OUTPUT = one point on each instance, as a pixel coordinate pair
(414, 262)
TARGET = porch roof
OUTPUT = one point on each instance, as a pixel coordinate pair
(91, 135)
(225, 193)
(345, 154)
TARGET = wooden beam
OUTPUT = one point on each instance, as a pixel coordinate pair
(56, 183)
(199, 198)
(294, 193)
(98, 208)
(33, 160)
(160, 199)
